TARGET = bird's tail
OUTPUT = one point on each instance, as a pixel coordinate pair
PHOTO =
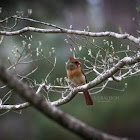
(88, 98)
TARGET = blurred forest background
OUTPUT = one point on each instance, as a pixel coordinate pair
(114, 112)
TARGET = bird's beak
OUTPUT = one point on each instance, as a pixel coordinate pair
(79, 63)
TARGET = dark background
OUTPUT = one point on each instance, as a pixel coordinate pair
(120, 116)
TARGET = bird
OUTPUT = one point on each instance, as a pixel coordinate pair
(77, 77)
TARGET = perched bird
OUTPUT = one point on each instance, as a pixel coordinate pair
(77, 77)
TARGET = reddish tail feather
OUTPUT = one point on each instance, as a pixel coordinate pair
(88, 98)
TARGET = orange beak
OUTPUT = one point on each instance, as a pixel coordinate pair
(79, 63)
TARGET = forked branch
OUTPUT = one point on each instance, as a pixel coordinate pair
(64, 30)
(79, 128)
(101, 78)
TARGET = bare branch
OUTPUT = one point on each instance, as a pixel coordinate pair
(101, 78)
(105, 63)
(15, 107)
(75, 32)
(102, 66)
(79, 128)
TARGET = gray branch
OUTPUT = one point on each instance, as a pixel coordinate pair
(101, 78)
(75, 32)
(15, 107)
(72, 124)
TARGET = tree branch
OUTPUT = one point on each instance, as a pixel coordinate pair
(101, 78)
(54, 113)
(15, 107)
(75, 32)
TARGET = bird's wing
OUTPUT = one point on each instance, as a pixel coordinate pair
(84, 75)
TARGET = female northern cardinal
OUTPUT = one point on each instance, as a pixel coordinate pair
(77, 77)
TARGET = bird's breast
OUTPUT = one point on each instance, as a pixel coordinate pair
(76, 77)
